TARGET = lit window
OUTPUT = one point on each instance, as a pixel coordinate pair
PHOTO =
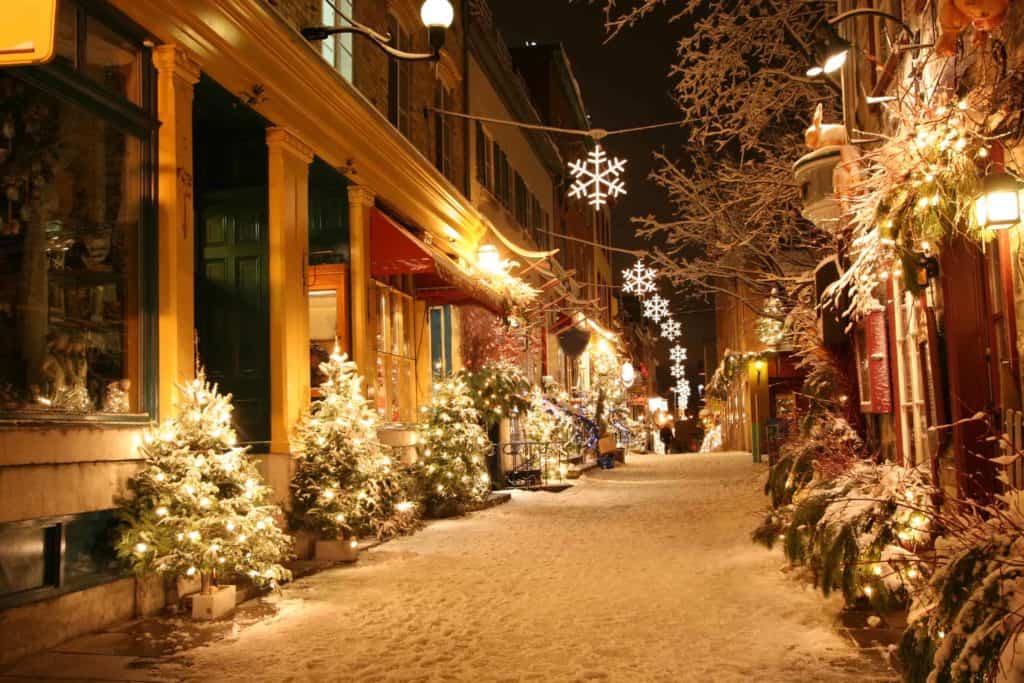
(72, 230)
(337, 49)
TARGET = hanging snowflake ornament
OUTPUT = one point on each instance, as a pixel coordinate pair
(670, 329)
(656, 308)
(639, 279)
(683, 392)
(678, 371)
(596, 178)
(677, 354)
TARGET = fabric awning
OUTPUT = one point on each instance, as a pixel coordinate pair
(438, 279)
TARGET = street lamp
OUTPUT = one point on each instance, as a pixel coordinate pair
(488, 258)
(437, 16)
(831, 49)
(998, 205)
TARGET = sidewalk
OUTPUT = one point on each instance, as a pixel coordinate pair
(135, 650)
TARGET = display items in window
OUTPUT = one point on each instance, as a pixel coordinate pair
(69, 225)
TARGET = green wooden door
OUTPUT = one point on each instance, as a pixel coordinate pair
(233, 306)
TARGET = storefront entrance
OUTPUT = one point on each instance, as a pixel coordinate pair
(232, 297)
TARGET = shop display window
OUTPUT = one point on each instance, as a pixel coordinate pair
(395, 385)
(73, 197)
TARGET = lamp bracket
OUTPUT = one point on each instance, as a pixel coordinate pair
(381, 40)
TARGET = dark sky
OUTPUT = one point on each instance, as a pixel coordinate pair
(625, 83)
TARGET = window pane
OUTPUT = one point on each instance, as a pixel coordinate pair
(68, 257)
(89, 552)
(112, 62)
(22, 559)
(323, 315)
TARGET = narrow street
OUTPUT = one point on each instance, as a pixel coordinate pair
(642, 573)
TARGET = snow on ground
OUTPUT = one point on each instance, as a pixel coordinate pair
(641, 573)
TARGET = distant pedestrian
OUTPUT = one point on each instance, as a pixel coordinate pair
(666, 437)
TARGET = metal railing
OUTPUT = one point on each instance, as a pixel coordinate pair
(533, 463)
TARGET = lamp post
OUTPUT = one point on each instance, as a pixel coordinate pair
(437, 16)
(759, 367)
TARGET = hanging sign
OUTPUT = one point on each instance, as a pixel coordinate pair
(27, 32)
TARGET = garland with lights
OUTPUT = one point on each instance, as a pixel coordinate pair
(198, 505)
(770, 327)
(861, 532)
(913, 191)
(452, 473)
(498, 389)
(345, 483)
(965, 625)
(729, 370)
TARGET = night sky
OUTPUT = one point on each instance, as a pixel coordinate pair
(625, 83)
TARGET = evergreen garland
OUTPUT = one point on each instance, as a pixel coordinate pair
(964, 623)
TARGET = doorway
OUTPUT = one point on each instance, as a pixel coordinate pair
(231, 295)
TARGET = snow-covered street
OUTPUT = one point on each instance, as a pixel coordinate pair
(641, 573)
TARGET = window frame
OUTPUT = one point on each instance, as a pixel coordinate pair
(336, 47)
(386, 356)
(68, 84)
(399, 79)
(55, 561)
(484, 158)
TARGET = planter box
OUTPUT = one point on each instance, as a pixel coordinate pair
(216, 605)
(337, 551)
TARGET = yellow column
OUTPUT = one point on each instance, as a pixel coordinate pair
(177, 73)
(360, 202)
(288, 223)
(424, 362)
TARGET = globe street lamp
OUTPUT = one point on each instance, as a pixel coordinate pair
(437, 16)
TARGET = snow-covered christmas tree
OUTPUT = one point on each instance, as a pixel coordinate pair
(199, 506)
(453, 447)
(345, 483)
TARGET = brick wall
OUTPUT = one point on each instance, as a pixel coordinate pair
(371, 66)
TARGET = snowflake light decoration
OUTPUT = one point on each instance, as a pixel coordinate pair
(596, 178)
(678, 371)
(677, 354)
(656, 308)
(639, 279)
(670, 329)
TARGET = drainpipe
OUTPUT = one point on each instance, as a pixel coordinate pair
(466, 124)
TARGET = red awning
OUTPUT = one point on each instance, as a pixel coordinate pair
(438, 279)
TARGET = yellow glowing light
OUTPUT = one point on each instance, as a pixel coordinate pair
(141, 547)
